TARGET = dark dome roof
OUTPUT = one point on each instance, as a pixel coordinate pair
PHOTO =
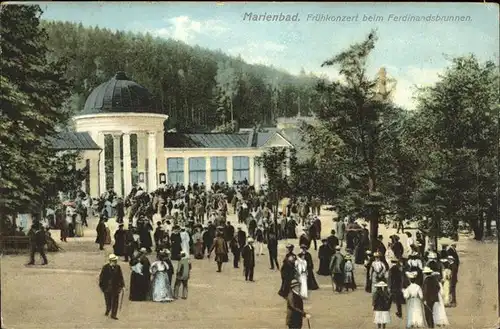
(120, 95)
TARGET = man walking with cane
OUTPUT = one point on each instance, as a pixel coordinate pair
(295, 308)
(111, 283)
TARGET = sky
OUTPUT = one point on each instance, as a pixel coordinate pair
(414, 53)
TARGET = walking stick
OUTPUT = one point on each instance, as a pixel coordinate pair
(121, 299)
(308, 324)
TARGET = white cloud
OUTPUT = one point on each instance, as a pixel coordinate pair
(262, 52)
(408, 80)
(185, 29)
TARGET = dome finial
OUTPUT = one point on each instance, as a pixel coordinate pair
(120, 75)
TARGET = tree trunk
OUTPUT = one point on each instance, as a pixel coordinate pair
(232, 111)
(373, 218)
(478, 229)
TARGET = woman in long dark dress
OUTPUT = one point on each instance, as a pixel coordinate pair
(324, 255)
(136, 280)
(368, 265)
(311, 280)
(287, 275)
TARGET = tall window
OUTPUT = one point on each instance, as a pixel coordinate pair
(175, 168)
(197, 170)
(218, 169)
(241, 169)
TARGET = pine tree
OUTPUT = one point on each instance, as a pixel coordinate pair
(33, 92)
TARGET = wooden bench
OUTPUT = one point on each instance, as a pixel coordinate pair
(14, 244)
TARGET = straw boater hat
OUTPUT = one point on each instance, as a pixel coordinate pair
(376, 254)
(113, 258)
(432, 255)
(337, 248)
(411, 275)
(143, 250)
(250, 240)
(427, 270)
(381, 284)
(348, 257)
(368, 252)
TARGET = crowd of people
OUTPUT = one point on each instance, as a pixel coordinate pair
(178, 223)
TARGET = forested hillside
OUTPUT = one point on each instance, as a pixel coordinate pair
(197, 88)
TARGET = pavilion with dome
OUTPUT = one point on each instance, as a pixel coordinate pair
(123, 109)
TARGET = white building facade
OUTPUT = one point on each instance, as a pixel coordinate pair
(124, 110)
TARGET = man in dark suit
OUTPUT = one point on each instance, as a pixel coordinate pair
(332, 240)
(397, 248)
(295, 307)
(289, 252)
(453, 281)
(272, 247)
(111, 283)
(38, 240)
(452, 251)
(431, 295)
(248, 254)
(396, 285)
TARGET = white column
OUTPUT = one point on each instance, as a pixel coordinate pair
(288, 169)
(186, 171)
(160, 154)
(141, 156)
(208, 174)
(257, 177)
(127, 164)
(152, 172)
(117, 165)
(230, 170)
(102, 162)
(251, 170)
(94, 177)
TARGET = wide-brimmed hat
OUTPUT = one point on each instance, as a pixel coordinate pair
(113, 257)
(432, 255)
(143, 250)
(347, 257)
(427, 270)
(411, 275)
(250, 240)
(381, 284)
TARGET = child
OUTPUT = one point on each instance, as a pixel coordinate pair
(381, 305)
(349, 274)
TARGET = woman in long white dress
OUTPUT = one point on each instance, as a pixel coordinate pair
(438, 310)
(161, 288)
(377, 271)
(301, 270)
(78, 226)
(446, 281)
(414, 306)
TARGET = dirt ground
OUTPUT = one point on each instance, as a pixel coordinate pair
(65, 293)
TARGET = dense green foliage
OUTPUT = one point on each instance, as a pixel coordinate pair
(458, 120)
(198, 89)
(33, 94)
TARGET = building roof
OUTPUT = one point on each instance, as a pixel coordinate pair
(296, 137)
(73, 141)
(120, 95)
(207, 140)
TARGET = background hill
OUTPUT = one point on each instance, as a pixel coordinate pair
(196, 87)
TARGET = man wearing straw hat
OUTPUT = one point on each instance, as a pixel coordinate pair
(295, 307)
(248, 254)
(111, 283)
(430, 290)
